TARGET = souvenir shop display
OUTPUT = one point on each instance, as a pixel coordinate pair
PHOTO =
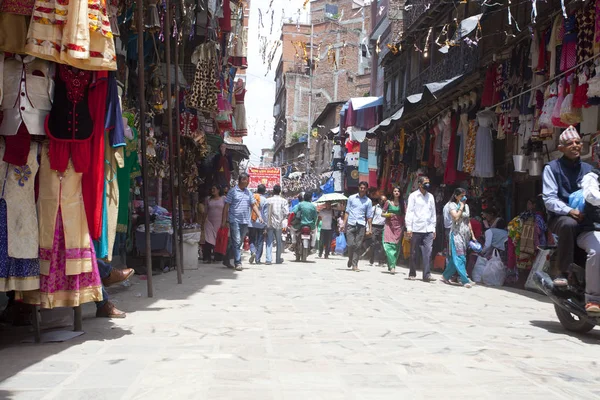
(84, 133)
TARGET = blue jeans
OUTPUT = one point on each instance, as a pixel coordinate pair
(104, 269)
(273, 233)
(257, 241)
(238, 233)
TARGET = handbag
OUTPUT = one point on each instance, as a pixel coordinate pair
(222, 241)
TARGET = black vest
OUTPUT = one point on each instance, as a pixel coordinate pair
(591, 221)
(70, 118)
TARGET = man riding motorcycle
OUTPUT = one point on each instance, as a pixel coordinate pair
(561, 178)
(308, 217)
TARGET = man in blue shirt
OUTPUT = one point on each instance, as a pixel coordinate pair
(357, 223)
(236, 213)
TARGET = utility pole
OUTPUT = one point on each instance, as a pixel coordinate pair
(310, 93)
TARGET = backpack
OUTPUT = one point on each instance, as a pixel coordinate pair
(255, 215)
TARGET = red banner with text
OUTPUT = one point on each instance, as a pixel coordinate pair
(265, 176)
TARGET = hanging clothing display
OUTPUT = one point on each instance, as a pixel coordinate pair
(68, 269)
(76, 33)
(26, 100)
(19, 238)
(239, 112)
(125, 176)
(70, 124)
(203, 93)
(14, 18)
(484, 145)
(239, 54)
(93, 178)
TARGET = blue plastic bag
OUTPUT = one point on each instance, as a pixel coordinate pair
(576, 200)
(340, 244)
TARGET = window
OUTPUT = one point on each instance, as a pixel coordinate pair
(331, 11)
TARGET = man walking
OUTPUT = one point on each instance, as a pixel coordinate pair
(110, 276)
(236, 213)
(420, 228)
(357, 223)
(257, 228)
(376, 244)
(277, 212)
(327, 223)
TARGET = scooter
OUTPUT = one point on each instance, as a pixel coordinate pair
(569, 301)
(303, 242)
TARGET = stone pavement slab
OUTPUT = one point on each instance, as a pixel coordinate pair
(310, 331)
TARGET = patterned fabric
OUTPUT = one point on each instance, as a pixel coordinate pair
(469, 156)
(585, 33)
(77, 33)
(15, 273)
(57, 289)
(17, 189)
(203, 94)
(20, 7)
(460, 232)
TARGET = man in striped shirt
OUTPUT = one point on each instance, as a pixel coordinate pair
(277, 213)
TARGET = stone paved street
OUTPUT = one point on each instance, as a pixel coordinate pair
(311, 331)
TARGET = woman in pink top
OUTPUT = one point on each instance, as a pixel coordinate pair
(212, 222)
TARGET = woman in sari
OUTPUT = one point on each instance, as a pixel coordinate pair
(212, 222)
(393, 211)
(461, 233)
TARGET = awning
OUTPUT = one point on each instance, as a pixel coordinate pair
(386, 122)
(358, 103)
(415, 101)
(465, 27)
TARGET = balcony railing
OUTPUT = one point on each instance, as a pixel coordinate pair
(415, 9)
(460, 60)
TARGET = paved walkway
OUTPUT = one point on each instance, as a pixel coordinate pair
(311, 331)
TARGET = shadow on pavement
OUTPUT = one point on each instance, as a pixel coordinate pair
(592, 337)
(17, 356)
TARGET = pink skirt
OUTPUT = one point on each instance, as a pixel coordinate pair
(57, 289)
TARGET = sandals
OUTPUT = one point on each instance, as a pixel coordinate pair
(393, 271)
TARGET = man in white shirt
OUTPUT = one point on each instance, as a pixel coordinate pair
(420, 228)
(327, 223)
(277, 213)
(376, 242)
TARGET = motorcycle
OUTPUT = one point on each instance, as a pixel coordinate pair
(303, 242)
(569, 301)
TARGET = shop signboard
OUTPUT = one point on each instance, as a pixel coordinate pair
(265, 176)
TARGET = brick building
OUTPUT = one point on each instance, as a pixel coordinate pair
(341, 70)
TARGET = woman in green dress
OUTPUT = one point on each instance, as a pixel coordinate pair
(394, 212)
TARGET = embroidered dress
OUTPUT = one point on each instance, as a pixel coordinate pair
(73, 32)
(239, 113)
(19, 238)
(69, 124)
(203, 93)
(68, 268)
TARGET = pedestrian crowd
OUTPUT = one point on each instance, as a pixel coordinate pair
(377, 227)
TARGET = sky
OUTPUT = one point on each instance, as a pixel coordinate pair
(260, 85)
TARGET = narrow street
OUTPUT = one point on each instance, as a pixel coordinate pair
(311, 331)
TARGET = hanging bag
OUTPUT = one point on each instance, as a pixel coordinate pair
(222, 240)
(494, 273)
